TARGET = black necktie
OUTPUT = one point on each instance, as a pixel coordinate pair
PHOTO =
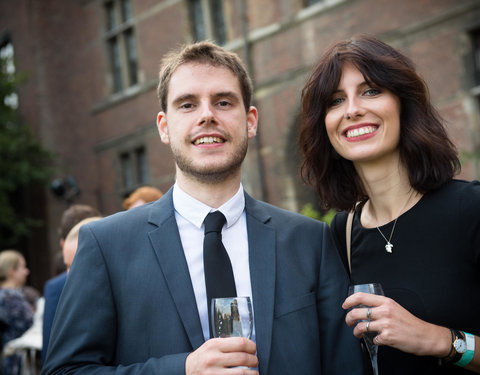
(216, 263)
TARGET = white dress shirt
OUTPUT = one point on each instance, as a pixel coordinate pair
(190, 214)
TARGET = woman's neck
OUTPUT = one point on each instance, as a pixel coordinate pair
(389, 191)
(9, 284)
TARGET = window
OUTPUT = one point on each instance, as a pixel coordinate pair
(120, 40)
(8, 67)
(208, 20)
(134, 168)
(476, 55)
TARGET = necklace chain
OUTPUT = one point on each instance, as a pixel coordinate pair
(389, 245)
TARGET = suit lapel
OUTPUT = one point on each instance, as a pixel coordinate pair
(168, 248)
(261, 242)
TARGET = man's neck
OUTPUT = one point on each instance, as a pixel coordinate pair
(211, 194)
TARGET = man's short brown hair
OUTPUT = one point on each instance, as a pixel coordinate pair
(73, 215)
(204, 53)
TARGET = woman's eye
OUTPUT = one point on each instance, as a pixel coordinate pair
(372, 92)
(336, 101)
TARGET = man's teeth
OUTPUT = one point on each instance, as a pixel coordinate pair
(360, 131)
(208, 140)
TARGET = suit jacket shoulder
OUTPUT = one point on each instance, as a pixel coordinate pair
(277, 216)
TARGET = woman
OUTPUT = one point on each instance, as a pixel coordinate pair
(16, 313)
(373, 143)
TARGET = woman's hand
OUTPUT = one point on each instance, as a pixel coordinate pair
(396, 326)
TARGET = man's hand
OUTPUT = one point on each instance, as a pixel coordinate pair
(218, 356)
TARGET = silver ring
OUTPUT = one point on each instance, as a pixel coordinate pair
(369, 313)
(368, 323)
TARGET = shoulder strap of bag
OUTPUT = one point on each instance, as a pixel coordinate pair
(348, 233)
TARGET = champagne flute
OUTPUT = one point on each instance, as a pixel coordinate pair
(372, 288)
(232, 316)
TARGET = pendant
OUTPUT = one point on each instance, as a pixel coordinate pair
(389, 247)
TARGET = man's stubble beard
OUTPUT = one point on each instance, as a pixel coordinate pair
(211, 174)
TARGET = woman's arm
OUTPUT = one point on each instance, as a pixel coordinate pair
(400, 329)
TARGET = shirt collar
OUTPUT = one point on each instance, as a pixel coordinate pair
(195, 211)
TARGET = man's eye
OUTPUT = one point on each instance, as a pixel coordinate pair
(223, 103)
(186, 106)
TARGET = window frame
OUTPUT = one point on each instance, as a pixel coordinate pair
(134, 169)
(121, 44)
(204, 16)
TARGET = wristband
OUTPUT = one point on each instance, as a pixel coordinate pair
(468, 355)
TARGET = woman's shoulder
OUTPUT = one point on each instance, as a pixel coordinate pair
(464, 185)
(11, 296)
(458, 198)
(340, 219)
(460, 190)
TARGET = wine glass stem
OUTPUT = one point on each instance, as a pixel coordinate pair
(373, 351)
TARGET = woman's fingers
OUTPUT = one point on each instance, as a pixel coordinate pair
(363, 299)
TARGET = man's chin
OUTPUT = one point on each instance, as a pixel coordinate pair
(212, 175)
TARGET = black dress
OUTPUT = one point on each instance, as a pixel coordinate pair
(433, 271)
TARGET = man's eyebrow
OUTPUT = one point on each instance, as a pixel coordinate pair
(226, 94)
(182, 98)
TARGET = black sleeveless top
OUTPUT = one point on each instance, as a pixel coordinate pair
(433, 271)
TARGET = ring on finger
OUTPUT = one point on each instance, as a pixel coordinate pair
(369, 313)
(368, 323)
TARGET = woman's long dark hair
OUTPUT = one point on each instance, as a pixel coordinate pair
(429, 155)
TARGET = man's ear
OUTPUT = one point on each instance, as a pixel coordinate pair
(252, 122)
(163, 127)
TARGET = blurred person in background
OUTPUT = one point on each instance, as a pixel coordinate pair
(14, 306)
(141, 196)
(53, 287)
(71, 242)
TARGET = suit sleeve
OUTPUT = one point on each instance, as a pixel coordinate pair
(83, 339)
(52, 291)
(340, 350)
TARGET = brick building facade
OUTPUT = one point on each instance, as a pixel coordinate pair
(93, 65)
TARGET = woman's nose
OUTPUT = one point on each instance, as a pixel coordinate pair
(353, 109)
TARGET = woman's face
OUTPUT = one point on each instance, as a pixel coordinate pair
(363, 120)
(20, 274)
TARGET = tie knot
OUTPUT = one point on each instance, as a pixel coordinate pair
(214, 222)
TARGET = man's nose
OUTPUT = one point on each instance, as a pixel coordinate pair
(207, 114)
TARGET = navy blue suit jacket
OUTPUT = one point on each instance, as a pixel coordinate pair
(52, 291)
(128, 306)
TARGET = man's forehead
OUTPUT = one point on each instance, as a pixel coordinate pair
(194, 77)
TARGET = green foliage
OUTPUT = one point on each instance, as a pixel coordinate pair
(309, 211)
(23, 162)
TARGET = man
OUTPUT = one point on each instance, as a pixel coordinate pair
(54, 286)
(136, 301)
(71, 241)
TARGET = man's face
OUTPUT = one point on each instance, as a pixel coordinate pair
(205, 123)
